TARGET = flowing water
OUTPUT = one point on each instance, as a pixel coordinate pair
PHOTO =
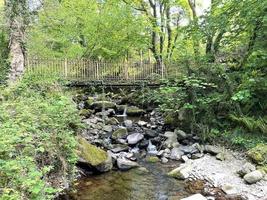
(135, 184)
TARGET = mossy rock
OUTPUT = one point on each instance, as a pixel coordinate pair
(134, 111)
(258, 154)
(171, 120)
(112, 121)
(86, 113)
(89, 101)
(106, 104)
(119, 133)
(152, 159)
(90, 153)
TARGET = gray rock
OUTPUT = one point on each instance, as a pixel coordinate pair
(164, 160)
(197, 155)
(181, 135)
(212, 149)
(120, 148)
(189, 149)
(134, 138)
(184, 158)
(253, 177)
(176, 154)
(105, 166)
(128, 123)
(195, 197)
(246, 168)
(229, 189)
(171, 139)
(125, 164)
(151, 133)
(106, 104)
(141, 123)
(107, 128)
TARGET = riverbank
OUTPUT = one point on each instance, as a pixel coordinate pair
(132, 135)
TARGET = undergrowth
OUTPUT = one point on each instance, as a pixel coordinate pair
(38, 122)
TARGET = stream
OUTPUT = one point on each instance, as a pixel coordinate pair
(148, 182)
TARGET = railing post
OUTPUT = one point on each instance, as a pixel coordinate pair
(66, 68)
(126, 70)
(97, 70)
(162, 69)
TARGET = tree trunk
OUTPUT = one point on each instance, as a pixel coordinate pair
(16, 16)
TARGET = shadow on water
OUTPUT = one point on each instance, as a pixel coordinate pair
(135, 184)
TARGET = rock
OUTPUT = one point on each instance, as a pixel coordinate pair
(195, 197)
(112, 121)
(222, 156)
(134, 111)
(246, 168)
(120, 148)
(152, 159)
(85, 113)
(171, 139)
(212, 149)
(181, 172)
(151, 133)
(229, 189)
(176, 154)
(253, 177)
(89, 102)
(141, 123)
(184, 158)
(105, 166)
(143, 144)
(181, 135)
(125, 164)
(98, 105)
(92, 155)
(107, 128)
(258, 154)
(164, 160)
(160, 153)
(128, 123)
(189, 149)
(119, 133)
(134, 138)
(197, 155)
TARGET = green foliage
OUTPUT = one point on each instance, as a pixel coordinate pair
(86, 28)
(38, 122)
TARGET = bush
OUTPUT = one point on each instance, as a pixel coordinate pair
(38, 122)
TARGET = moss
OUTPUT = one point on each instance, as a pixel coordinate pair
(86, 113)
(258, 154)
(90, 153)
(152, 159)
(89, 102)
(120, 133)
(133, 111)
(171, 119)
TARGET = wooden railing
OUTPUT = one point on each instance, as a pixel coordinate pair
(88, 70)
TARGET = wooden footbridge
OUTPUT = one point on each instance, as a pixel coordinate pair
(81, 71)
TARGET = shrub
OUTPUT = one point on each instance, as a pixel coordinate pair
(38, 122)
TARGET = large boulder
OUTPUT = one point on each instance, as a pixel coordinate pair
(258, 154)
(135, 138)
(98, 105)
(134, 111)
(176, 154)
(119, 133)
(93, 156)
(253, 177)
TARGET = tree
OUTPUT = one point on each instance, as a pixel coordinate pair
(17, 13)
